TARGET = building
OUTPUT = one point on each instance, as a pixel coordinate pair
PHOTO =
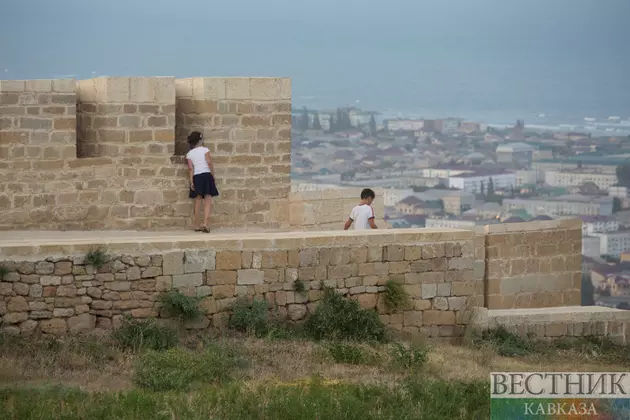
(561, 205)
(614, 243)
(475, 182)
(591, 246)
(618, 191)
(391, 196)
(453, 201)
(525, 177)
(569, 178)
(599, 224)
(444, 172)
(414, 205)
(515, 152)
(404, 125)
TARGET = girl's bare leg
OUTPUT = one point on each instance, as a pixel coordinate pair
(207, 206)
(197, 209)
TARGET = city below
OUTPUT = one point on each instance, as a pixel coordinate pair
(453, 173)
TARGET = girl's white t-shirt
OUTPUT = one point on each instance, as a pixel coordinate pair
(198, 158)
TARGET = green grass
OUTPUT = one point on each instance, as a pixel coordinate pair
(176, 304)
(299, 286)
(395, 296)
(3, 271)
(181, 369)
(251, 317)
(138, 335)
(338, 318)
(409, 358)
(422, 400)
(508, 344)
(351, 354)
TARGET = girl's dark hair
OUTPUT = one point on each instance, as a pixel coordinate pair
(194, 138)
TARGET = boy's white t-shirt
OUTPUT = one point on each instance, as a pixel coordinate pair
(361, 216)
(198, 158)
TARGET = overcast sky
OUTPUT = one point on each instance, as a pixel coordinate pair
(329, 47)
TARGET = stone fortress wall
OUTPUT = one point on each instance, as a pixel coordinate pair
(106, 154)
(446, 273)
(103, 153)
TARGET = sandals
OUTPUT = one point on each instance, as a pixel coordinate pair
(203, 229)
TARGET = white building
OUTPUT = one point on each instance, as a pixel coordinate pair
(620, 192)
(578, 177)
(443, 172)
(474, 182)
(526, 177)
(591, 246)
(562, 205)
(599, 224)
(614, 243)
(404, 125)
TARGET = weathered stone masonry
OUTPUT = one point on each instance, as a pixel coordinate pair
(114, 167)
(61, 294)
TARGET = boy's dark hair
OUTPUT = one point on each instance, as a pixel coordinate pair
(367, 193)
(194, 138)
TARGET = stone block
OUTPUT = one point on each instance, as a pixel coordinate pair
(439, 303)
(394, 253)
(412, 319)
(173, 263)
(55, 326)
(81, 323)
(250, 276)
(429, 291)
(199, 261)
(182, 281)
(17, 304)
(433, 317)
(228, 260)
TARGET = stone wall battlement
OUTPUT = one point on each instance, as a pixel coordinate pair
(105, 153)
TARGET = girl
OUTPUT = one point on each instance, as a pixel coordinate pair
(202, 185)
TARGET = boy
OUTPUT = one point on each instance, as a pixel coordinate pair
(363, 215)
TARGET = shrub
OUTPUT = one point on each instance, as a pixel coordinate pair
(395, 296)
(351, 354)
(250, 317)
(186, 308)
(3, 272)
(139, 335)
(179, 369)
(409, 358)
(298, 286)
(506, 343)
(96, 257)
(337, 318)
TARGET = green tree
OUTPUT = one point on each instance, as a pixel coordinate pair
(623, 174)
(617, 205)
(490, 192)
(317, 125)
(372, 126)
(588, 291)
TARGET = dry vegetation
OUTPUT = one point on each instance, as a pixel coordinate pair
(329, 368)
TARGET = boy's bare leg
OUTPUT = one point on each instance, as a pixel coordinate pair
(207, 206)
(197, 209)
